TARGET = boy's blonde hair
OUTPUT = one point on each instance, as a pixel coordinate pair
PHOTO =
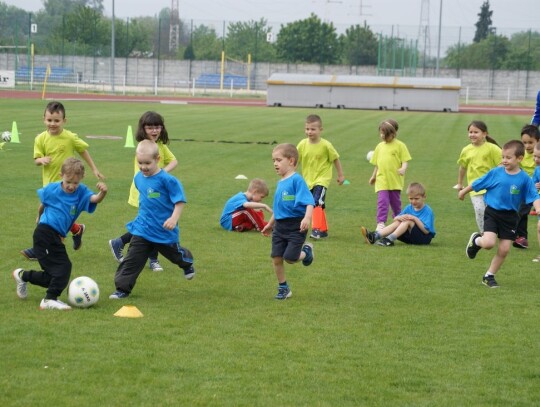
(388, 129)
(314, 118)
(73, 166)
(147, 147)
(415, 188)
(288, 151)
(258, 185)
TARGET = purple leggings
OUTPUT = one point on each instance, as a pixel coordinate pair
(386, 200)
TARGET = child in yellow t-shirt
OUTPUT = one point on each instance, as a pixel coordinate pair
(151, 127)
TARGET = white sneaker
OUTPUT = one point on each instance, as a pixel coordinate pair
(155, 266)
(380, 226)
(53, 304)
(21, 285)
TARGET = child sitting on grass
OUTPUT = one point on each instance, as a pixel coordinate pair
(414, 225)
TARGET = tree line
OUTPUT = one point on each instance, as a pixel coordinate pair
(79, 27)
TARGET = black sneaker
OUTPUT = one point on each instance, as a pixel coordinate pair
(369, 236)
(472, 248)
(489, 281)
(385, 242)
(77, 239)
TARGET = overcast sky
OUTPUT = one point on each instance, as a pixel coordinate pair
(455, 13)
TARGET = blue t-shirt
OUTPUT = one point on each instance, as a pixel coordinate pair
(536, 175)
(61, 209)
(158, 195)
(506, 192)
(291, 198)
(425, 215)
(232, 205)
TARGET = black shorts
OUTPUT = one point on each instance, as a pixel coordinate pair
(502, 223)
(415, 236)
(287, 239)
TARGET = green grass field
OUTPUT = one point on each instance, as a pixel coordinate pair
(366, 325)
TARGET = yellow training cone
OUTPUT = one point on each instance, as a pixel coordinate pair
(14, 133)
(129, 138)
(129, 311)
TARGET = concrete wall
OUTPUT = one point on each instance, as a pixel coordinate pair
(138, 72)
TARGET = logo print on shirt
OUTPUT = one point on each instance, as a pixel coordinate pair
(150, 193)
(286, 197)
(514, 190)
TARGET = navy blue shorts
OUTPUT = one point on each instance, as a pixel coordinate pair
(287, 239)
(319, 195)
(415, 236)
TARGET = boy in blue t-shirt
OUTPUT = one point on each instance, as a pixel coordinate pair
(536, 181)
(61, 204)
(293, 209)
(507, 187)
(161, 201)
(414, 225)
(244, 211)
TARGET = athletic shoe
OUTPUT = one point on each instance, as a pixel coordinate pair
(283, 293)
(533, 212)
(490, 282)
(189, 273)
(308, 250)
(29, 254)
(318, 234)
(385, 242)
(21, 285)
(154, 265)
(521, 243)
(369, 236)
(380, 226)
(54, 304)
(118, 295)
(77, 239)
(472, 248)
(117, 246)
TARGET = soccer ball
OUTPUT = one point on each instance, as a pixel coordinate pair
(369, 155)
(6, 136)
(83, 292)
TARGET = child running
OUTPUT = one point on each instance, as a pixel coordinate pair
(317, 155)
(390, 158)
(151, 127)
(476, 160)
(244, 211)
(293, 208)
(51, 149)
(507, 187)
(61, 204)
(414, 225)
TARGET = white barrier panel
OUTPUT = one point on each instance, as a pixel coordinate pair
(7, 79)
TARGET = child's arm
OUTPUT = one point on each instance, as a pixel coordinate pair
(257, 205)
(373, 176)
(339, 169)
(170, 223)
(306, 222)
(86, 156)
(419, 224)
(100, 196)
(40, 210)
(171, 166)
(42, 160)
(464, 191)
(460, 177)
(266, 230)
(403, 168)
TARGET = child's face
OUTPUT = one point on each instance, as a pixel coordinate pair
(148, 164)
(536, 155)
(153, 132)
(509, 159)
(476, 135)
(54, 122)
(313, 131)
(417, 201)
(282, 165)
(529, 142)
(70, 182)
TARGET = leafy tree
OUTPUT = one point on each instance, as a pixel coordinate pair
(245, 38)
(359, 46)
(61, 7)
(490, 53)
(524, 53)
(484, 23)
(206, 44)
(308, 40)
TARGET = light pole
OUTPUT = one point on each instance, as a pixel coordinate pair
(439, 42)
(112, 49)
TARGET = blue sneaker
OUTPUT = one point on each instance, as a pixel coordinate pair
(189, 273)
(118, 295)
(308, 250)
(283, 293)
(117, 246)
(29, 254)
(154, 265)
(77, 239)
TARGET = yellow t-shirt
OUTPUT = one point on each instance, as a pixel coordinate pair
(528, 164)
(478, 160)
(165, 157)
(388, 157)
(58, 148)
(317, 160)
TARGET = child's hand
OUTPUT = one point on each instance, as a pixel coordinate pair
(99, 175)
(372, 181)
(304, 225)
(169, 224)
(401, 171)
(44, 160)
(101, 186)
(266, 230)
(340, 180)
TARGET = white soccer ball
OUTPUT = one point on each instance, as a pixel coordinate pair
(6, 136)
(369, 155)
(83, 292)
